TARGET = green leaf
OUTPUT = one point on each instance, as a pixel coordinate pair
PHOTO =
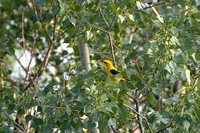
(67, 23)
(121, 18)
(178, 120)
(41, 1)
(186, 125)
(89, 35)
(164, 120)
(36, 122)
(198, 85)
(73, 21)
(187, 44)
(197, 56)
(197, 112)
(68, 110)
(103, 98)
(174, 40)
(187, 75)
(48, 88)
(6, 5)
(2, 54)
(135, 77)
(171, 67)
(55, 10)
(171, 101)
(110, 104)
(157, 23)
(151, 99)
(131, 17)
(28, 118)
(112, 122)
(39, 109)
(156, 91)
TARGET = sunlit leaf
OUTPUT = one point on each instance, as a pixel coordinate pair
(186, 125)
(89, 35)
(103, 98)
(131, 17)
(121, 18)
(187, 74)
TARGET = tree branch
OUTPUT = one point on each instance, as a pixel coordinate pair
(50, 42)
(113, 129)
(112, 48)
(111, 23)
(109, 26)
(98, 28)
(20, 63)
(23, 38)
(162, 129)
(19, 126)
(29, 64)
(138, 69)
(138, 116)
(103, 17)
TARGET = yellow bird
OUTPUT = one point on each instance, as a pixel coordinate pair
(111, 70)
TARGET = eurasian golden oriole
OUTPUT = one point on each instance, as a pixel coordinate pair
(111, 70)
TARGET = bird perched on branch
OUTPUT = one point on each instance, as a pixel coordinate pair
(111, 70)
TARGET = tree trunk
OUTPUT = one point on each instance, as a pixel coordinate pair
(85, 57)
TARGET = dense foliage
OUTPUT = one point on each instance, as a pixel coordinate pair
(44, 89)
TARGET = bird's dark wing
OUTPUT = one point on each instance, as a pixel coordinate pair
(113, 71)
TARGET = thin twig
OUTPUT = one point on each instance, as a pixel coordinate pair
(23, 34)
(109, 26)
(50, 41)
(157, 14)
(56, 107)
(113, 129)
(148, 126)
(19, 126)
(138, 116)
(111, 23)
(98, 28)
(23, 38)
(47, 55)
(111, 42)
(162, 129)
(134, 111)
(20, 63)
(104, 19)
(134, 129)
(29, 64)
(23, 42)
(138, 69)
(112, 48)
